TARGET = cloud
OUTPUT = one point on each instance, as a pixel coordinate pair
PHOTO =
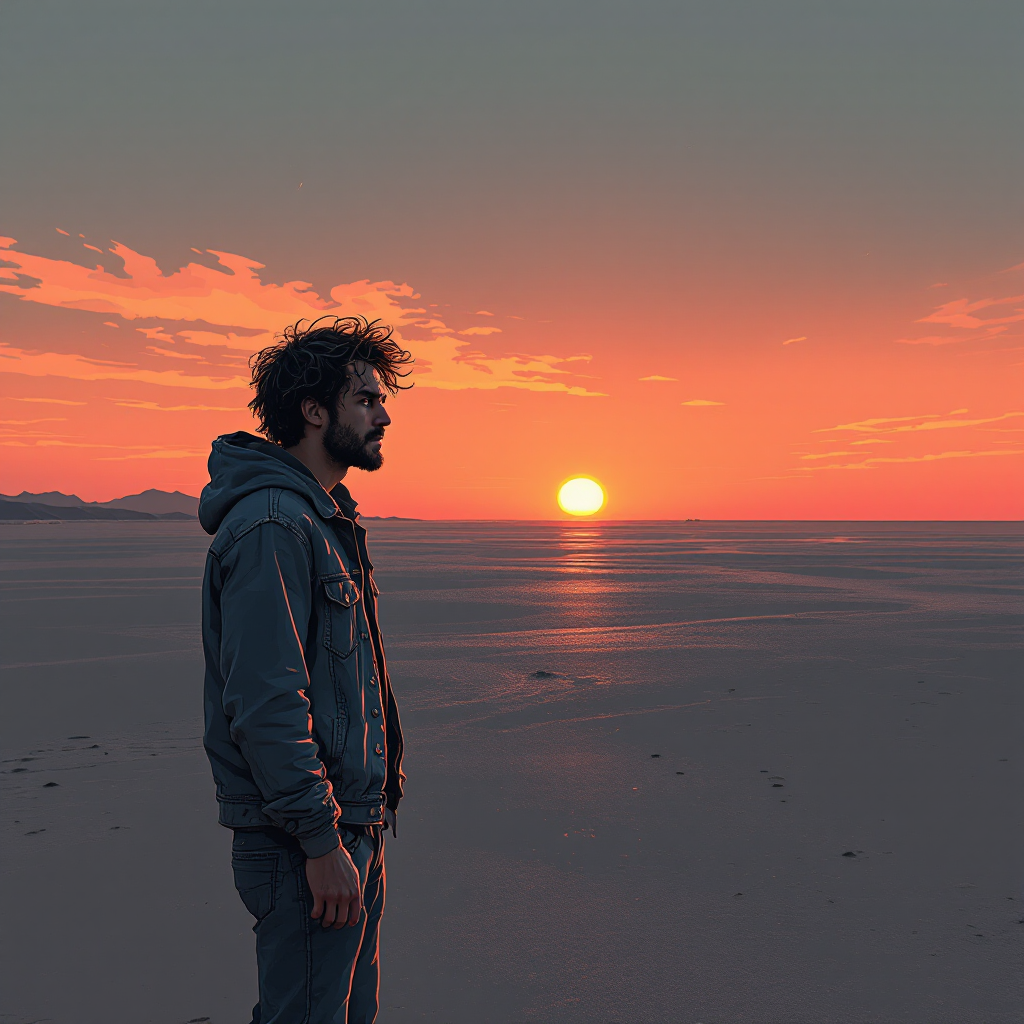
(26, 423)
(701, 401)
(932, 339)
(131, 403)
(878, 460)
(959, 315)
(161, 453)
(656, 376)
(47, 401)
(136, 451)
(170, 353)
(909, 424)
(793, 341)
(828, 455)
(55, 364)
(483, 312)
(230, 307)
(874, 440)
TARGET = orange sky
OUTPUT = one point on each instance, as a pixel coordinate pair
(124, 377)
(779, 278)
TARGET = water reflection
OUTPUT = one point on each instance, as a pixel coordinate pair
(582, 548)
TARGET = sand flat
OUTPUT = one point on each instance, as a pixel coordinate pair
(810, 691)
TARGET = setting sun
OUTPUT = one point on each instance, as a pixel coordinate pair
(581, 496)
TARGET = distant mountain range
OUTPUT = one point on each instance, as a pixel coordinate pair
(151, 504)
(48, 505)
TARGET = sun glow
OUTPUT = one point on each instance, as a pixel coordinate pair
(581, 496)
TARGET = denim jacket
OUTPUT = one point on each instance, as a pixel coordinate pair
(302, 730)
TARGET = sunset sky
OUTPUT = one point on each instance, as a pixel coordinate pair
(734, 260)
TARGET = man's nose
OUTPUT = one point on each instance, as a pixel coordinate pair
(382, 419)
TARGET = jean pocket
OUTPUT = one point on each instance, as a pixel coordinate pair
(256, 880)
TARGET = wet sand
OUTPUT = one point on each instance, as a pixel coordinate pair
(657, 773)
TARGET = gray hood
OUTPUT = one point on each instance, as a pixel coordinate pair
(242, 463)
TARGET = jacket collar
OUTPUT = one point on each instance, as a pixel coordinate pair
(344, 501)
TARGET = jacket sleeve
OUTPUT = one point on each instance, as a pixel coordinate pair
(266, 603)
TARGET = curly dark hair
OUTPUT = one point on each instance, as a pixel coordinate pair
(315, 362)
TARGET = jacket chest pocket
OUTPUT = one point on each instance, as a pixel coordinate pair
(341, 627)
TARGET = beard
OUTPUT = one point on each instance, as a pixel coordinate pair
(346, 448)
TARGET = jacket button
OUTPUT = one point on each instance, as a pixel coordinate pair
(373, 682)
(375, 713)
(378, 749)
(364, 636)
(290, 826)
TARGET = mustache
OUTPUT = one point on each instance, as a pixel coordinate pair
(374, 435)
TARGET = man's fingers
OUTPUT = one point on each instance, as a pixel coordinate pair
(332, 911)
(318, 906)
(355, 909)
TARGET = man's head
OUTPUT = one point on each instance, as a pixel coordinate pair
(325, 385)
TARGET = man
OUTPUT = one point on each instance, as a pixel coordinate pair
(302, 730)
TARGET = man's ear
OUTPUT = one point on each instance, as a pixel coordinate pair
(313, 412)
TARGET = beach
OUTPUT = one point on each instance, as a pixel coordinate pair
(657, 772)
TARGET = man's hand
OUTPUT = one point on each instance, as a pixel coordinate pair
(337, 894)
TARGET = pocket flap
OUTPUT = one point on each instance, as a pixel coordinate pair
(341, 591)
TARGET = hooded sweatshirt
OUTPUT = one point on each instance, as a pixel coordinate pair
(301, 726)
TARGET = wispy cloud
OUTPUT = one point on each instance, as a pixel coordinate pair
(701, 401)
(878, 460)
(133, 451)
(828, 455)
(657, 376)
(27, 423)
(960, 313)
(932, 339)
(968, 319)
(913, 424)
(78, 367)
(793, 341)
(892, 429)
(230, 307)
(131, 403)
(45, 401)
(159, 453)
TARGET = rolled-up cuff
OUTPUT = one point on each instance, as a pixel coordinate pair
(322, 843)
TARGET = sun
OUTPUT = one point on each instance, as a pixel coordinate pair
(581, 496)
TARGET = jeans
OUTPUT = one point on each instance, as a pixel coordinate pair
(309, 974)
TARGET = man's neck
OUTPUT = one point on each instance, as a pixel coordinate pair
(312, 455)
